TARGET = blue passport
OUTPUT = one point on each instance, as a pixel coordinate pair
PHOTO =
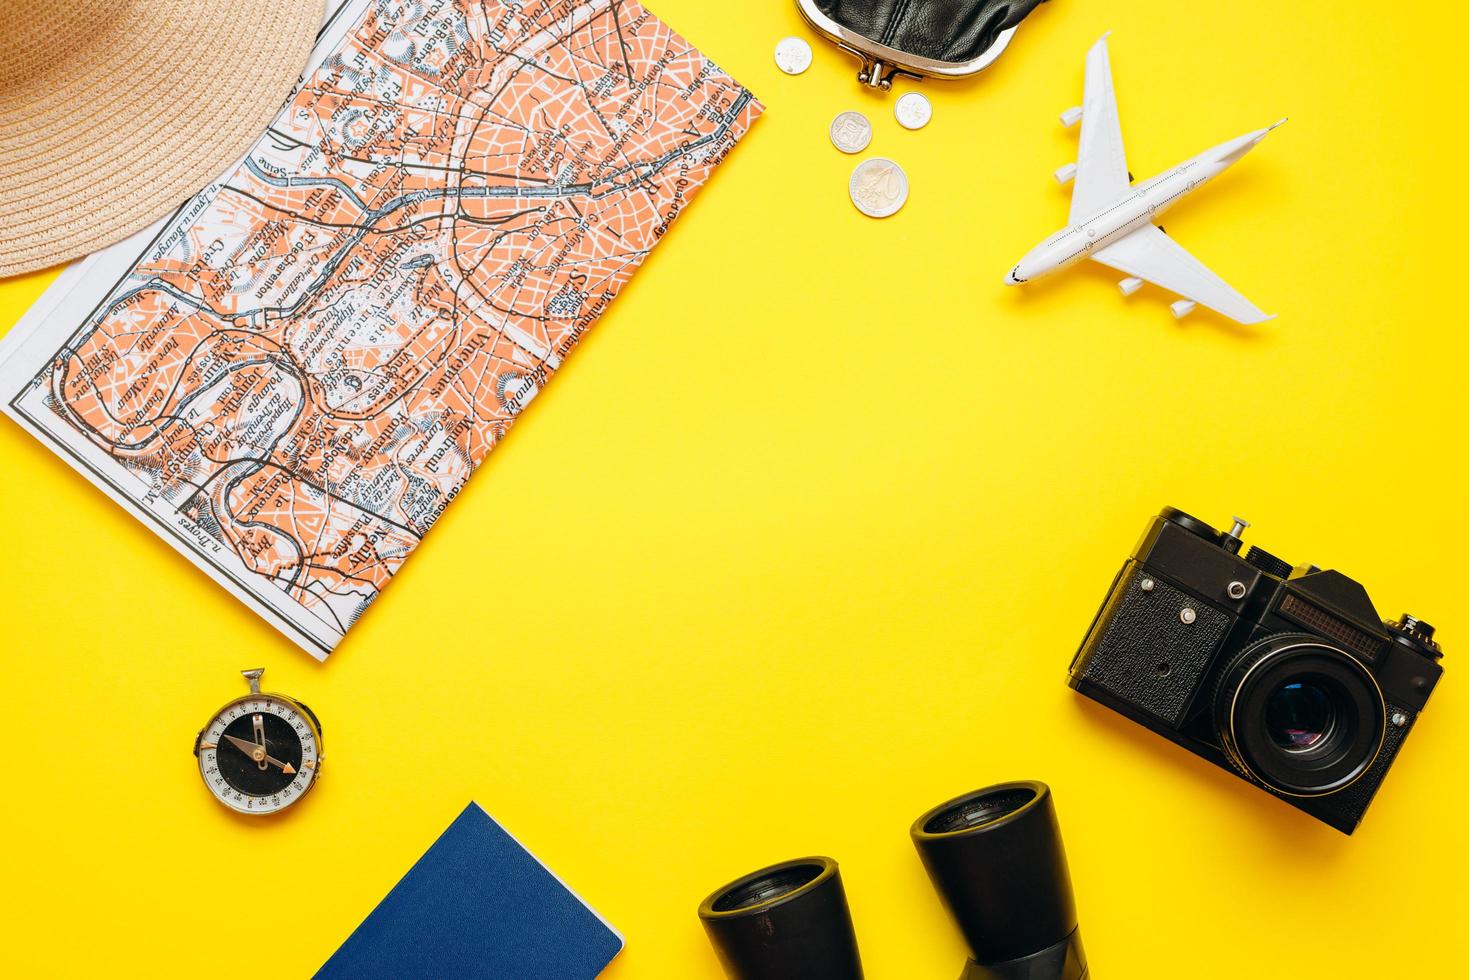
(477, 904)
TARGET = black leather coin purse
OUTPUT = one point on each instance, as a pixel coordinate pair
(918, 38)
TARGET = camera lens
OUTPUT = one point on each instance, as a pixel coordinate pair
(1299, 715)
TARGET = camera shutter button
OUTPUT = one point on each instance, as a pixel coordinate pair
(1231, 540)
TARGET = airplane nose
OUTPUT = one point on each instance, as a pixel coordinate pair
(1012, 278)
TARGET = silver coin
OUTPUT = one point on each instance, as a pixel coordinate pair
(913, 111)
(879, 187)
(793, 55)
(851, 132)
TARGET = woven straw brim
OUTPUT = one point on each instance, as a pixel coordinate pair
(114, 112)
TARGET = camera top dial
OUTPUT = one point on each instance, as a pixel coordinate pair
(1415, 633)
(1192, 524)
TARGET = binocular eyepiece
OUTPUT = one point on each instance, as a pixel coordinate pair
(996, 858)
(785, 922)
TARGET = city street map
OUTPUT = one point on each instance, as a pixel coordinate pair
(291, 377)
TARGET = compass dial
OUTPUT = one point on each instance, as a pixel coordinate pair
(260, 754)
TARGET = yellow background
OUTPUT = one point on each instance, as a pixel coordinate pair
(803, 539)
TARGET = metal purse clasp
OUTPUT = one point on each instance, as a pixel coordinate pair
(876, 73)
(881, 63)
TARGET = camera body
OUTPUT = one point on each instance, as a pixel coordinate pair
(1285, 676)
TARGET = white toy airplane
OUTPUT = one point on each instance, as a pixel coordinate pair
(1112, 219)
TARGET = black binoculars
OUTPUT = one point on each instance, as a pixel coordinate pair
(996, 858)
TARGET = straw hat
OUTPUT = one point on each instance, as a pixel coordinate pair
(113, 112)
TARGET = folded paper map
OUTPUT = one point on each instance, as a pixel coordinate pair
(293, 376)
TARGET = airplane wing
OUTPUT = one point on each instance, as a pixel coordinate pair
(1150, 254)
(1101, 164)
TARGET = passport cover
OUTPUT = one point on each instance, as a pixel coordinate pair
(477, 904)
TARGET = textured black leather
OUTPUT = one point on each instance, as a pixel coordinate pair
(1147, 656)
(943, 30)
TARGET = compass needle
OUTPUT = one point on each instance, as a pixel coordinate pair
(241, 744)
(257, 725)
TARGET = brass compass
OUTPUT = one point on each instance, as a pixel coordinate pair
(260, 753)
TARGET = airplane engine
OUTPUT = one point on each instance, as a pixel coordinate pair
(1182, 308)
(1071, 116)
(1066, 174)
(1130, 285)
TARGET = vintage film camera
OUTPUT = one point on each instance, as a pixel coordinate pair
(1286, 677)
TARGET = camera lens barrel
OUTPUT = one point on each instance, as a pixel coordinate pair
(786, 922)
(1299, 715)
(996, 858)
